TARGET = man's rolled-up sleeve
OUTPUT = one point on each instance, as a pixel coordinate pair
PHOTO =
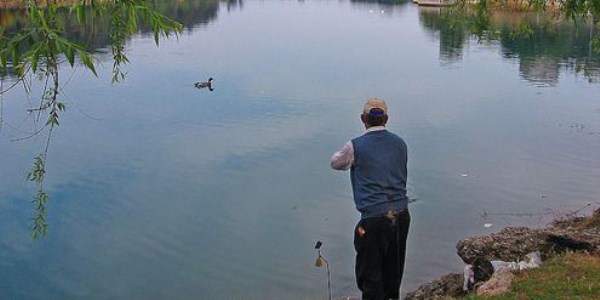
(344, 158)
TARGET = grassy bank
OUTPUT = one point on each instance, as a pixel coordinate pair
(570, 276)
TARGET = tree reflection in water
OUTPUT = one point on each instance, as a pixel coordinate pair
(543, 44)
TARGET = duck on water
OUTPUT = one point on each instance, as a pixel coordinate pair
(204, 84)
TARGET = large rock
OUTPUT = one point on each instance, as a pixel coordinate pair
(498, 284)
(510, 244)
(449, 285)
(513, 243)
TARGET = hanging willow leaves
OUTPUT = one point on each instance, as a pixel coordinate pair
(42, 45)
(39, 226)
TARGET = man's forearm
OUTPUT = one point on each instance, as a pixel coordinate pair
(343, 159)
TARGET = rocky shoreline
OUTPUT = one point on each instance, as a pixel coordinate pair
(512, 244)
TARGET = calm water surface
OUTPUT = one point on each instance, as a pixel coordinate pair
(162, 191)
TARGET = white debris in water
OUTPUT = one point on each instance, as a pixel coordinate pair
(382, 11)
(464, 175)
(488, 225)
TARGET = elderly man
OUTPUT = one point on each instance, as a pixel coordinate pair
(377, 163)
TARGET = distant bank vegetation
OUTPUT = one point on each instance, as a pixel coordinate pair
(21, 4)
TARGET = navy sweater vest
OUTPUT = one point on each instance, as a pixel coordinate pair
(378, 174)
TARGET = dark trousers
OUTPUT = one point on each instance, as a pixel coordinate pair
(380, 253)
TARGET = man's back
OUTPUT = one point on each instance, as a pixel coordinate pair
(378, 174)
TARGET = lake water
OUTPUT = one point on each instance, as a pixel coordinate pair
(159, 190)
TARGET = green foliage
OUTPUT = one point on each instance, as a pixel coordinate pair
(477, 16)
(53, 117)
(42, 43)
(41, 46)
(39, 227)
(125, 19)
(38, 171)
(595, 44)
(480, 19)
(537, 5)
(523, 30)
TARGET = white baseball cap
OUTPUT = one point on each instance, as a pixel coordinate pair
(378, 104)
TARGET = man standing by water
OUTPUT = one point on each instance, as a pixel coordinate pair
(377, 163)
